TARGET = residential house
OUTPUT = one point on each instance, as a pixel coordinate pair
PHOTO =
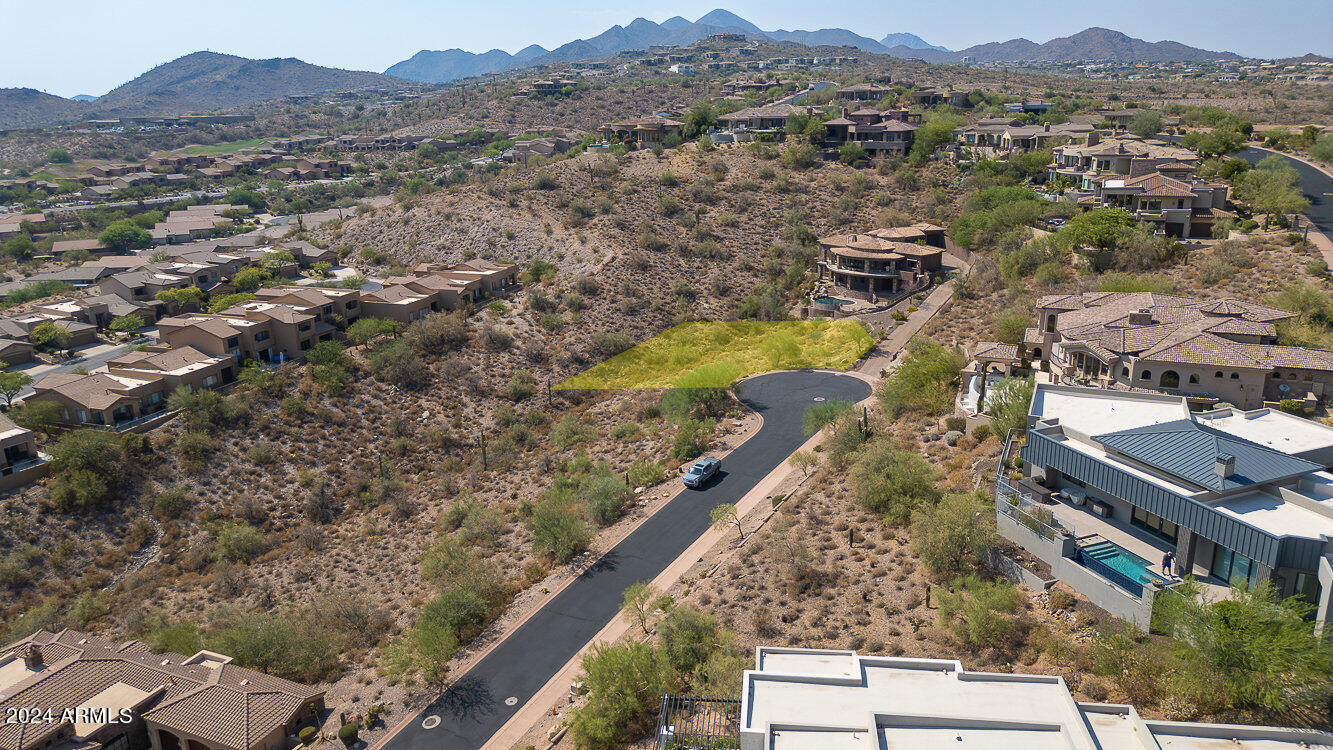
(796, 698)
(999, 135)
(182, 367)
(93, 246)
(143, 285)
(770, 118)
(19, 328)
(931, 96)
(1119, 118)
(398, 303)
(1118, 480)
(645, 130)
(335, 306)
(15, 351)
(307, 254)
(169, 701)
(107, 171)
(1211, 351)
(882, 265)
(260, 330)
(1176, 207)
(880, 133)
(96, 192)
(100, 398)
(864, 92)
(20, 463)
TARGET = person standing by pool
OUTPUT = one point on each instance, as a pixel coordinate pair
(1166, 562)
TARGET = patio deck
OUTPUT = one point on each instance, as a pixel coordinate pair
(1082, 522)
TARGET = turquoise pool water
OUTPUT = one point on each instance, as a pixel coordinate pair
(1118, 558)
(833, 301)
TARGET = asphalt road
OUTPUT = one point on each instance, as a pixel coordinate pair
(475, 708)
(1317, 186)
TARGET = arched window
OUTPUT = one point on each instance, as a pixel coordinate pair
(1194, 379)
(1235, 376)
(1170, 379)
(1050, 324)
(1124, 372)
(1145, 375)
(1217, 374)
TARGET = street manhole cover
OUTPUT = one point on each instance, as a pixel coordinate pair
(430, 722)
(511, 701)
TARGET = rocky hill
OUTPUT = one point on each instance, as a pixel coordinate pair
(1091, 44)
(204, 81)
(29, 108)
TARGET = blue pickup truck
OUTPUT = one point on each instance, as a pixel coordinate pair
(703, 470)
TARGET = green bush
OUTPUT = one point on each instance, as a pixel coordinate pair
(292, 644)
(308, 735)
(954, 535)
(569, 431)
(88, 469)
(521, 385)
(238, 543)
(558, 530)
(646, 473)
(692, 438)
(893, 482)
(604, 496)
(925, 382)
(979, 612)
(348, 734)
(818, 415)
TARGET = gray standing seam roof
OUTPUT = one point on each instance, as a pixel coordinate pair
(1189, 451)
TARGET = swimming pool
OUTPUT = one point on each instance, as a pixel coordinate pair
(1117, 563)
(832, 301)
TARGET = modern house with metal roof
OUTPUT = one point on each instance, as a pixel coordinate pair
(802, 699)
(1113, 481)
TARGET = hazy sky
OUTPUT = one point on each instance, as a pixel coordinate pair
(91, 46)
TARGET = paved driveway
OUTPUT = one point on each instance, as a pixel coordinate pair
(476, 707)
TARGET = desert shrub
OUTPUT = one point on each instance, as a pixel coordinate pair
(604, 496)
(1008, 404)
(452, 563)
(290, 644)
(1062, 600)
(495, 337)
(394, 362)
(820, 414)
(626, 431)
(646, 473)
(924, 382)
(610, 343)
(88, 469)
(558, 530)
(438, 332)
(954, 534)
(238, 543)
(980, 612)
(692, 438)
(171, 503)
(893, 482)
(520, 386)
(625, 686)
(569, 431)
(688, 637)
(195, 444)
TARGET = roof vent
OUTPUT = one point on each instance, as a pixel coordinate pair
(32, 658)
(1225, 465)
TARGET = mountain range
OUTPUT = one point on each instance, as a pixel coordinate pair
(1089, 44)
(439, 66)
(197, 82)
(209, 81)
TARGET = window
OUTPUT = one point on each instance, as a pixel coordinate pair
(1217, 374)
(1145, 375)
(261, 336)
(1291, 376)
(351, 304)
(1124, 372)
(1170, 379)
(1050, 324)
(1234, 568)
(233, 342)
(1235, 376)
(1307, 587)
(1194, 379)
(1154, 524)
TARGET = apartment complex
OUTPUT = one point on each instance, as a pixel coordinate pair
(133, 699)
(801, 699)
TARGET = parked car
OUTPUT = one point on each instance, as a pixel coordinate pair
(703, 470)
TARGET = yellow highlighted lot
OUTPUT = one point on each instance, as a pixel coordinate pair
(714, 355)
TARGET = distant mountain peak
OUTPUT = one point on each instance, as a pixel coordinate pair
(725, 19)
(674, 23)
(911, 41)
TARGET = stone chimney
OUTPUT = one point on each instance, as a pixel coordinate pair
(1141, 318)
(1225, 465)
(32, 658)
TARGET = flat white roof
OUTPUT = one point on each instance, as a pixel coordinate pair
(933, 704)
(1270, 428)
(1277, 516)
(1090, 411)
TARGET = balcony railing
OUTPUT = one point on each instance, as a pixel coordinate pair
(686, 722)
